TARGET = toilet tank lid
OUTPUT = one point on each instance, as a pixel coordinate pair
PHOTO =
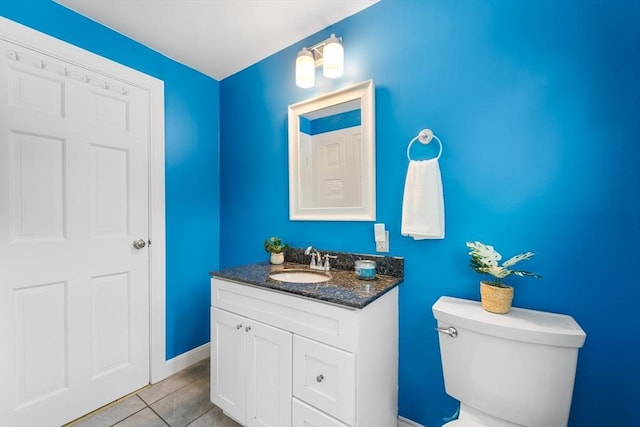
(519, 324)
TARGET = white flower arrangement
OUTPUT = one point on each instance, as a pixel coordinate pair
(484, 260)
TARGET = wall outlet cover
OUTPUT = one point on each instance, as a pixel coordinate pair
(383, 246)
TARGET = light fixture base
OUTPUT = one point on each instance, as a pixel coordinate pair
(318, 50)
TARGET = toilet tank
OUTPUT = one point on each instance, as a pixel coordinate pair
(519, 366)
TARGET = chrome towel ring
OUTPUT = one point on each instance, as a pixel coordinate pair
(425, 136)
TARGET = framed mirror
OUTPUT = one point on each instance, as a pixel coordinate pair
(332, 156)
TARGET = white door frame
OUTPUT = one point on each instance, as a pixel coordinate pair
(35, 40)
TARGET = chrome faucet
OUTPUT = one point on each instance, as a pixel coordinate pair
(316, 259)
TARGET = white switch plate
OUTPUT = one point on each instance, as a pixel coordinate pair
(383, 246)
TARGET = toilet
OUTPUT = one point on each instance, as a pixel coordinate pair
(507, 370)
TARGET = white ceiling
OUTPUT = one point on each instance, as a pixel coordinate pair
(217, 37)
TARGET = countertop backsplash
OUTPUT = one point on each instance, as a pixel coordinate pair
(386, 265)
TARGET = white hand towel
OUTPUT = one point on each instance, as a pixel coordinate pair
(423, 202)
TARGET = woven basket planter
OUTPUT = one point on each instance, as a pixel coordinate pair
(496, 299)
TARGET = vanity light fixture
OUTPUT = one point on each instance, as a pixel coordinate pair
(328, 53)
(305, 69)
(333, 63)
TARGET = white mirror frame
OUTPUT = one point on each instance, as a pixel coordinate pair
(367, 212)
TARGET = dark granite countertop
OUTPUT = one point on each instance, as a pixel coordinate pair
(343, 288)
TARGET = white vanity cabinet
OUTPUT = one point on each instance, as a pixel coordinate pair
(282, 360)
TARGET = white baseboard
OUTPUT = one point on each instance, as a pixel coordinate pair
(403, 422)
(184, 360)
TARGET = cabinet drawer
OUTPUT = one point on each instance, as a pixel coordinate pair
(305, 416)
(328, 323)
(325, 377)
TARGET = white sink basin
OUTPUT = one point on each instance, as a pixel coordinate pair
(300, 276)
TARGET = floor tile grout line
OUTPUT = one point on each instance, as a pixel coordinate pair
(148, 405)
(169, 394)
(159, 416)
(199, 416)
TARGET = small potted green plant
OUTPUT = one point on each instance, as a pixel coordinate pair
(495, 296)
(275, 246)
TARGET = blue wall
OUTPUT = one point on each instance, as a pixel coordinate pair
(537, 104)
(191, 157)
(330, 123)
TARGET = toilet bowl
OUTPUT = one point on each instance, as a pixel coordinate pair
(533, 389)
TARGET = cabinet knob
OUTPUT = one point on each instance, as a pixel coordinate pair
(238, 326)
(319, 378)
(247, 329)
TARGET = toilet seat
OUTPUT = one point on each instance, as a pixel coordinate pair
(462, 423)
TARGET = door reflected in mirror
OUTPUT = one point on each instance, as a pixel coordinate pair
(332, 156)
(329, 159)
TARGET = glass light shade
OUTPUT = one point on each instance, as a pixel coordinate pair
(305, 69)
(333, 58)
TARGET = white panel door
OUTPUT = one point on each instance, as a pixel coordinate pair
(74, 292)
(338, 171)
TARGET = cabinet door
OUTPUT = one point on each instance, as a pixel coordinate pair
(228, 362)
(268, 398)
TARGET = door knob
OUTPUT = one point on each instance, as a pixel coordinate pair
(139, 244)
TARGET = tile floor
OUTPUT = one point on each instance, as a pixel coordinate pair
(178, 401)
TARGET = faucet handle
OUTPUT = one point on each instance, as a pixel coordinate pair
(327, 266)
